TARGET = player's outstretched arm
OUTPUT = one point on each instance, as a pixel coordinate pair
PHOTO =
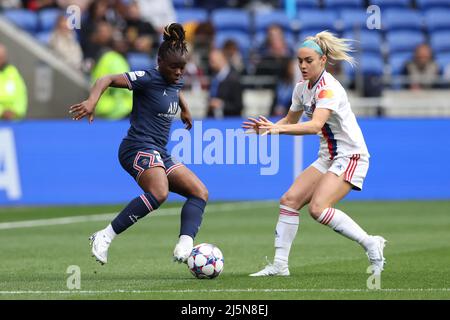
(313, 126)
(87, 107)
(185, 112)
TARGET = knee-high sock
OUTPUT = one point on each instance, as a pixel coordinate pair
(191, 216)
(343, 224)
(138, 208)
(285, 232)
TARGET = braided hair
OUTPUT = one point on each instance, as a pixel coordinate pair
(174, 41)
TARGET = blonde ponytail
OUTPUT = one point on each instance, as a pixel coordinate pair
(333, 47)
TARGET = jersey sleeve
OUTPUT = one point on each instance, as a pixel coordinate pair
(327, 98)
(138, 80)
(296, 104)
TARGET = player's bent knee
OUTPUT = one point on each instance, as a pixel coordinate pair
(315, 209)
(160, 195)
(290, 201)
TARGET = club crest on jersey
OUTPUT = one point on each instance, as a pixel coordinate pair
(309, 109)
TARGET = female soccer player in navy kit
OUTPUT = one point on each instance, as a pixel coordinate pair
(343, 157)
(143, 154)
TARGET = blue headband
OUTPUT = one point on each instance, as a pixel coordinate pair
(312, 45)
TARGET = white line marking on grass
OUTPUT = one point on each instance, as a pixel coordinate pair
(109, 216)
(225, 291)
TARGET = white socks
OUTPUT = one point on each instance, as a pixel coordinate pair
(285, 232)
(109, 231)
(186, 241)
(343, 224)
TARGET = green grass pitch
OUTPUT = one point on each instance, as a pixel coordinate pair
(324, 265)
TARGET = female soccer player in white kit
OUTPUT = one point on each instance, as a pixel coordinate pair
(343, 157)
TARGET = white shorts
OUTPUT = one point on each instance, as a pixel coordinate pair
(354, 168)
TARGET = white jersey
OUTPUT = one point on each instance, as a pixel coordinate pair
(341, 135)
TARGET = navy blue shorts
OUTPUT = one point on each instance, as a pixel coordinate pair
(135, 158)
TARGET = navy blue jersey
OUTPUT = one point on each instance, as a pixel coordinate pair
(155, 104)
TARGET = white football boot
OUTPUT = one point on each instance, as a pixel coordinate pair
(183, 249)
(272, 269)
(375, 255)
(100, 243)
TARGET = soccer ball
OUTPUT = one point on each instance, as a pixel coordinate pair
(205, 261)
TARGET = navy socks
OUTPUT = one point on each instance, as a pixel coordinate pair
(135, 210)
(191, 216)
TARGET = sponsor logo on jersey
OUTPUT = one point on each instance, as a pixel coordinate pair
(326, 94)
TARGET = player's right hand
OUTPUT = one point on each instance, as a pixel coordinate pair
(251, 126)
(83, 109)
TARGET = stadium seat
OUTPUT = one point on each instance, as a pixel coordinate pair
(139, 61)
(432, 4)
(351, 19)
(343, 4)
(313, 20)
(290, 38)
(307, 4)
(437, 19)
(366, 41)
(385, 4)
(48, 19)
(242, 39)
(443, 60)
(440, 41)
(191, 15)
(367, 64)
(402, 19)
(404, 41)
(24, 19)
(231, 19)
(397, 62)
(264, 19)
(43, 37)
(180, 4)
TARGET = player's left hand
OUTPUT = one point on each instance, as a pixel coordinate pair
(267, 127)
(186, 118)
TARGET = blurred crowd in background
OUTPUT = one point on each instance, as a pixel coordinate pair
(122, 35)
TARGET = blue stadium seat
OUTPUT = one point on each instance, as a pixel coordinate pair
(231, 19)
(367, 64)
(43, 37)
(343, 4)
(264, 19)
(307, 4)
(48, 19)
(139, 61)
(432, 4)
(313, 20)
(402, 19)
(180, 4)
(404, 41)
(443, 60)
(440, 41)
(385, 4)
(366, 41)
(437, 19)
(24, 19)
(351, 19)
(242, 39)
(290, 38)
(191, 15)
(397, 62)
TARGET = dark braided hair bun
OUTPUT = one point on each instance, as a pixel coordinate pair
(174, 41)
(174, 32)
